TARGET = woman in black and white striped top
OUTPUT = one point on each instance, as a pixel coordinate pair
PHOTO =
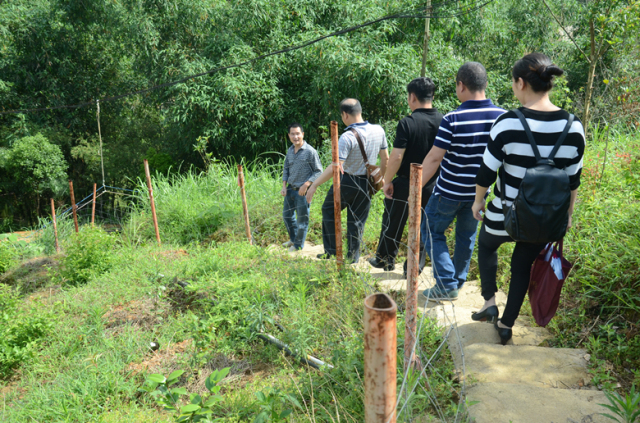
(509, 147)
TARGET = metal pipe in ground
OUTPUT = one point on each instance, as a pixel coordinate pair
(55, 225)
(380, 352)
(245, 209)
(93, 206)
(337, 207)
(74, 208)
(413, 263)
(153, 203)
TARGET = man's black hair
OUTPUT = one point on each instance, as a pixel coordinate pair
(423, 88)
(351, 106)
(473, 75)
(295, 125)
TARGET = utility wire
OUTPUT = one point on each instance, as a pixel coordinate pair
(410, 14)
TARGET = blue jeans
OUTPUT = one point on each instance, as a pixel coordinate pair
(296, 226)
(440, 213)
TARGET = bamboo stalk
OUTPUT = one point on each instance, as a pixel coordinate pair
(413, 263)
(337, 207)
(93, 206)
(55, 225)
(245, 208)
(380, 351)
(153, 204)
(74, 207)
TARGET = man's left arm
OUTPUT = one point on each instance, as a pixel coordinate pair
(431, 163)
(316, 166)
(324, 177)
(441, 145)
(384, 160)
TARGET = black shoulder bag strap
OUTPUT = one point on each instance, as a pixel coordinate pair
(534, 146)
(362, 150)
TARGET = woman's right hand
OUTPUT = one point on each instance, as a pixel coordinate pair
(478, 208)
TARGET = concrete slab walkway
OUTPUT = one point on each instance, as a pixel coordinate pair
(521, 382)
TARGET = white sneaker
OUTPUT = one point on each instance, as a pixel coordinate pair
(292, 248)
(287, 244)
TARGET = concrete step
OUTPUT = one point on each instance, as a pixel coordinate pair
(464, 335)
(541, 367)
(509, 403)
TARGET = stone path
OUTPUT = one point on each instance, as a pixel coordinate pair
(521, 382)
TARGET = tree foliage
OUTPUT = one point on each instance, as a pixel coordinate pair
(62, 52)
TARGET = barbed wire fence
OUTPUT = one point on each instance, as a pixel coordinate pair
(423, 374)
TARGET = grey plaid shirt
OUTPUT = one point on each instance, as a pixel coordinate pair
(302, 166)
(373, 138)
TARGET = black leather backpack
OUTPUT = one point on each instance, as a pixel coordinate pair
(540, 211)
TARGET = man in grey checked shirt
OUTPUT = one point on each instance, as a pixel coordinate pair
(301, 167)
(354, 185)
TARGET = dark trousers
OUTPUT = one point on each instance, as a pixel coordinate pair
(522, 259)
(394, 219)
(354, 196)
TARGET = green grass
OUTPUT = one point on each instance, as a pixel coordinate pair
(600, 306)
(94, 358)
(91, 362)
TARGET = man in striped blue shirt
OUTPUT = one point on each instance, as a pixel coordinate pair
(457, 150)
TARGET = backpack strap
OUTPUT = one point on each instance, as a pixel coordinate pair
(562, 137)
(556, 147)
(362, 150)
(527, 130)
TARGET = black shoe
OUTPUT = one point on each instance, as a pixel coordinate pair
(505, 334)
(324, 256)
(489, 315)
(381, 264)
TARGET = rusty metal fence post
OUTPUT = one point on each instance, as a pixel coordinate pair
(55, 225)
(380, 359)
(153, 204)
(93, 206)
(337, 207)
(74, 208)
(413, 263)
(245, 209)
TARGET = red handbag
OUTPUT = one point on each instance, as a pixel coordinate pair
(548, 273)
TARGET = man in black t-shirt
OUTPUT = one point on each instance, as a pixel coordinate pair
(415, 135)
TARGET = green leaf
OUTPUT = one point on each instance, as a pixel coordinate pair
(157, 378)
(285, 413)
(212, 400)
(260, 396)
(179, 391)
(190, 408)
(175, 375)
(196, 399)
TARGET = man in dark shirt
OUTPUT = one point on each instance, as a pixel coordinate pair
(414, 138)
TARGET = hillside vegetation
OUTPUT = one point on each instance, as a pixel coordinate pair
(83, 321)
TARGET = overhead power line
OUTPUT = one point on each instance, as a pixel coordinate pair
(416, 13)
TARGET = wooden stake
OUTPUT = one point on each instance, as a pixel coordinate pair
(55, 225)
(74, 208)
(380, 351)
(413, 263)
(245, 209)
(153, 204)
(93, 206)
(337, 207)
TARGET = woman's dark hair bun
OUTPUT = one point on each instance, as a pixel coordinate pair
(537, 71)
(548, 72)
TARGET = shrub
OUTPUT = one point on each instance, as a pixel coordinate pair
(88, 253)
(19, 332)
(6, 257)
